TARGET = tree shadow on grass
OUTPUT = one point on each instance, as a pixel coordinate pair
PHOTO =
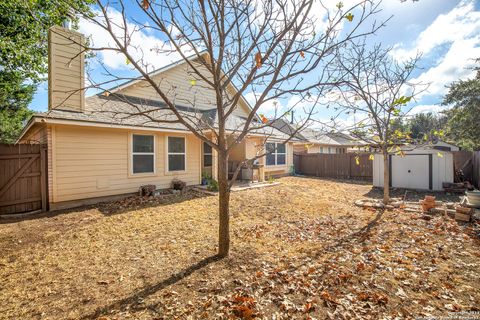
(131, 301)
(410, 194)
(358, 181)
(359, 235)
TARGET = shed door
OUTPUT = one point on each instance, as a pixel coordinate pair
(411, 171)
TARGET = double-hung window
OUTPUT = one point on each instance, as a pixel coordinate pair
(176, 154)
(276, 154)
(207, 155)
(143, 153)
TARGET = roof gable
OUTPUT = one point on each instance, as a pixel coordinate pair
(182, 85)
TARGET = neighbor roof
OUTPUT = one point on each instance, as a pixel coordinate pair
(313, 136)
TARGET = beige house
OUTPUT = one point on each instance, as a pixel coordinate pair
(107, 145)
(316, 142)
(309, 140)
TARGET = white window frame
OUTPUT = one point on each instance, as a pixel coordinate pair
(206, 154)
(167, 166)
(276, 153)
(132, 153)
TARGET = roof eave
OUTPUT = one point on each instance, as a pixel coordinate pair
(33, 119)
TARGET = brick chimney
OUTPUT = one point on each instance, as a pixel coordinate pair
(66, 69)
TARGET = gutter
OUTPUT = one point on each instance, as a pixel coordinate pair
(49, 120)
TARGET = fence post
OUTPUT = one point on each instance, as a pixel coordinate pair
(43, 180)
(476, 169)
(349, 166)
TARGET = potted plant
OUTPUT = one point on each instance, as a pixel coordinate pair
(205, 178)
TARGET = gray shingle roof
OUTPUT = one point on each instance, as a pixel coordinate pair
(145, 113)
(121, 110)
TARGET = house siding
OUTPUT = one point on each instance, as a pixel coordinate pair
(95, 162)
(318, 148)
(176, 83)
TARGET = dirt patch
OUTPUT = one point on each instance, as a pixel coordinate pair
(299, 250)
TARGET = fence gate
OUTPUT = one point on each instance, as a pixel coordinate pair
(23, 182)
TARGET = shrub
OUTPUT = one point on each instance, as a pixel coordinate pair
(212, 185)
(178, 184)
(147, 190)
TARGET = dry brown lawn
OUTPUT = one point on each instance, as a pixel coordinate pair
(300, 250)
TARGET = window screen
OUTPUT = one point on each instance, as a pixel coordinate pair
(176, 154)
(207, 155)
(143, 154)
(276, 154)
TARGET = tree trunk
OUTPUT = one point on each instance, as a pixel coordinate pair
(223, 205)
(386, 178)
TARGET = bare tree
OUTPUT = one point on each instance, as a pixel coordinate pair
(272, 50)
(375, 93)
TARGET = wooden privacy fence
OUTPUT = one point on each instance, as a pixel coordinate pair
(469, 163)
(23, 186)
(341, 166)
(476, 169)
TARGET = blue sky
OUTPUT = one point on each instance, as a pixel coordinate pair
(447, 32)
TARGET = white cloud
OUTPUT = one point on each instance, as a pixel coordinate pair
(322, 14)
(425, 108)
(462, 22)
(457, 32)
(276, 108)
(144, 45)
(270, 108)
(456, 64)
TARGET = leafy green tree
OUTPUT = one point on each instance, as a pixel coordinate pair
(14, 98)
(24, 28)
(426, 124)
(398, 124)
(463, 125)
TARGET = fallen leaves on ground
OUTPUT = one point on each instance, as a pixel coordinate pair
(300, 250)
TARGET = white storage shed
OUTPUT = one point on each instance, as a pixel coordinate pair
(424, 168)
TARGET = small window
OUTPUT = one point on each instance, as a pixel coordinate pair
(143, 154)
(276, 154)
(176, 154)
(207, 155)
